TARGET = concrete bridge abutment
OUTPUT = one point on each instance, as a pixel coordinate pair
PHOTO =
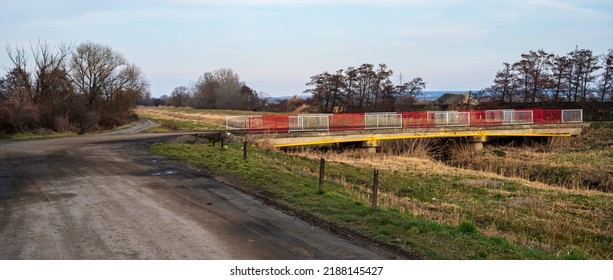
(475, 143)
(371, 146)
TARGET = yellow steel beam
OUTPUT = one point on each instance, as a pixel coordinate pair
(371, 137)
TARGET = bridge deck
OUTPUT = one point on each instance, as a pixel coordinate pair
(330, 137)
(316, 129)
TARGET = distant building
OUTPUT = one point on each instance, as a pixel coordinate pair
(456, 100)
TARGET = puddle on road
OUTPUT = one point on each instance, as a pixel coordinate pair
(167, 172)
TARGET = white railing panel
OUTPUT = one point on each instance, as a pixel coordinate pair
(523, 117)
(572, 116)
(309, 123)
(239, 122)
(448, 118)
(295, 124)
(382, 120)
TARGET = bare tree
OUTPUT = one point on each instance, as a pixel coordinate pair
(180, 97)
(218, 89)
(362, 89)
(94, 88)
(251, 99)
(18, 85)
(205, 92)
(382, 76)
(534, 76)
(50, 65)
(561, 73)
(606, 80)
(109, 85)
(505, 84)
(410, 91)
(327, 90)
(228, 95)
(351, 76)
(364, 81)
(127, 87)
(584, 66)
(95, 68)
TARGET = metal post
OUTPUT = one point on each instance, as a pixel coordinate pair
(222, 141)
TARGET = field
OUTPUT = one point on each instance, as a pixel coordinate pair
(426, 207)
(172, 118)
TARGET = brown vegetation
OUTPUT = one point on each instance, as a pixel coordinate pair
(86, 89)
(581, 162)
(526, 212)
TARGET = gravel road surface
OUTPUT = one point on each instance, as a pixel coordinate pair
(106, 197)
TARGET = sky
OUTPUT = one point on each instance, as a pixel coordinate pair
(275, 46)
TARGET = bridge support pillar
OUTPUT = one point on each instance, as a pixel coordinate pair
(371, 145)
(476, 143)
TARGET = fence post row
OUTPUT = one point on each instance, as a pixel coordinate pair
(340, 121)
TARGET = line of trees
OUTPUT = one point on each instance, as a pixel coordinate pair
(84, 88)
(540, 76)
(220, 89)
(361, 89)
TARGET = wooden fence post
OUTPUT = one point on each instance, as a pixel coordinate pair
(375, 188)
(322, 164)
(245, 150)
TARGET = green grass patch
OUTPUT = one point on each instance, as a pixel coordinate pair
(293, 181)
(596, 157)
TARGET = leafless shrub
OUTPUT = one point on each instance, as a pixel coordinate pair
(263, 143)
(560, 142)
(61, 124)
(418, 148)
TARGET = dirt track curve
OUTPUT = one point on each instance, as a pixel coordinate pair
(106, 197)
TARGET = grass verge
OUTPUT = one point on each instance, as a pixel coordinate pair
(433, 212)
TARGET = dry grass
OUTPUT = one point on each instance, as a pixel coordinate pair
(528, 213)
(588, 169)
(417, 148)
(216, 118)
(581, 163)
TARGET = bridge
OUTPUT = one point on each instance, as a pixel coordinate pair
(371, 128)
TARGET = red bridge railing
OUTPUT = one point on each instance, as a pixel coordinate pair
(366, 121)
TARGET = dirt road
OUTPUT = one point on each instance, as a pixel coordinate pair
(106, 197)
